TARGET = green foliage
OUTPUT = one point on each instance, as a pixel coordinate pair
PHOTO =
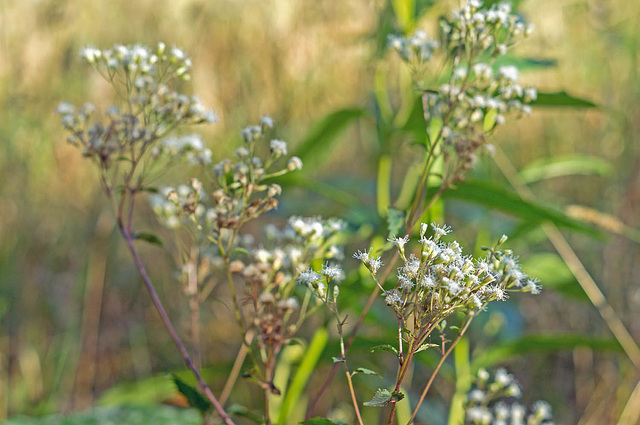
(537, 344)
(193, 396)
(565, 165)
(561, 99)
(383, 398)
(157, 415)
(500, 199)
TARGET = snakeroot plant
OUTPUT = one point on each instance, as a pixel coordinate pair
(279, 278)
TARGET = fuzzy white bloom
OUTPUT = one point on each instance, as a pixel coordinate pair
(332, 272)
(509, 72)
(294, 164)
(278, 147)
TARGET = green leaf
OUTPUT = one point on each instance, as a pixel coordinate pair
(321, 421)
(565, 166)
(561, 99)
(395, 221)
(426, 346)
(242, 411)
(241, 251)
(309, 361)
(147, 237)
(385, 347)
(504, 351)
(489, 120)
(380, 399)
(554, 274)
(192, 395)
(365, 371)
(524, 64)
(497, 198)
(337, 359)
(317, 144)
(383, 397)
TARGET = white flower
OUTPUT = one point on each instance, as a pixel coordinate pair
(278, 147)
(509, 72)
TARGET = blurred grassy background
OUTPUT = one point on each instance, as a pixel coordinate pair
(74, 320)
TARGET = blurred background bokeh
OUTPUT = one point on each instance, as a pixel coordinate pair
(75, 321)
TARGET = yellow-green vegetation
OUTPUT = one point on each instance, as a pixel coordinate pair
(77, 330)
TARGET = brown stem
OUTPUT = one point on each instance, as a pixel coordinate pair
(370, 301)
(437, 369)
(167, 322)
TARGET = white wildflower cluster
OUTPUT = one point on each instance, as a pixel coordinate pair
(415, 48)
(441, 280)
(137, 60)
(273, 269)
(140, 76)
(182, 206)
(189, 148)
(242, 194)
(479, 30)
(485, 407)
(478, 96)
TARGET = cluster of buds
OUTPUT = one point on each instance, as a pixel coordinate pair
(183, 205)
(189, 148)
(478, 96)
(485, 407)
(242, 194)
(272, 270)
(477, 30)
(138, 61)
(442, 281)
(152, 110)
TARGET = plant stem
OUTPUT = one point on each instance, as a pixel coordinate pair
(437, 369)
(167, 322)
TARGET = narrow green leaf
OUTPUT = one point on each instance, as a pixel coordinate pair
(383, 189)
(385, 347)
(148, 237)
(463, 382)
(502, 352)
(561, 99)
(524, 64)
(317, 144)
(565, 166)
(337, 359)
(241, 251)
(302, 375)
(192, 395)
(426, 346)
(497, 198)
(554, 274)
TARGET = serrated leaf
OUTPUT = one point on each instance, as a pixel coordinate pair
(426, 346)
(242, 411)
(561, 99)
(385, 347)
(365, 371)
(192, 395)
(321, 421)
(395, 221)
(380, 399)
(148, 237)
